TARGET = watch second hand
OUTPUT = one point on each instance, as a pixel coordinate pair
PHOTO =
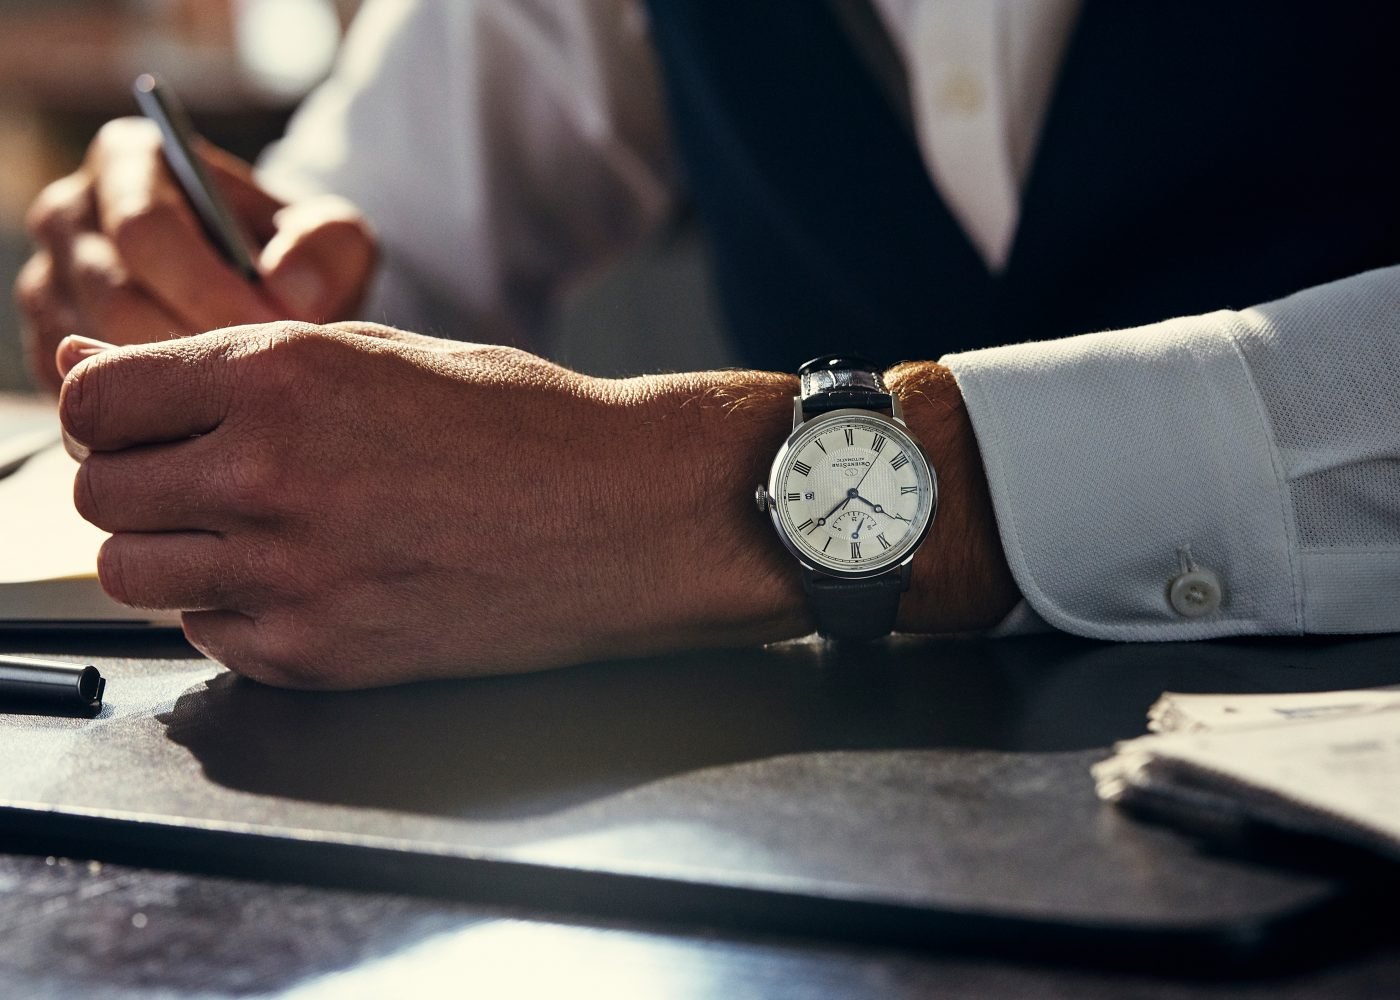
(868, 469)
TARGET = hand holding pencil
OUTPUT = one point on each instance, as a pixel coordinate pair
(124, 257)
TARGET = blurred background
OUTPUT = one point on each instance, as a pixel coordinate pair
(241, 67)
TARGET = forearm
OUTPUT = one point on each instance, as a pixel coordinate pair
(710, 570)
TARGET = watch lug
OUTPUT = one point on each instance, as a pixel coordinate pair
(896, 411)
(796, 412)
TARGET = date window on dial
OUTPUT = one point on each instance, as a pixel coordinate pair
(809, 495)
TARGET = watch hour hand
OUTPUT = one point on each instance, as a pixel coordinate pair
(877, 508)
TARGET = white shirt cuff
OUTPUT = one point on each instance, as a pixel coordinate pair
(1137, 488)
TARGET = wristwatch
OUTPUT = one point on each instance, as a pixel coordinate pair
(851, 495)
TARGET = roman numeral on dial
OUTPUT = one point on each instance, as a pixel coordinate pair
(802, 467)
(884, 544)
(855, 550)
(878, 445)
(794, 496)
(850, 436)
(808, 526)
(906, 490)
(900, 460)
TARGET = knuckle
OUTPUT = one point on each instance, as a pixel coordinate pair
(252, 481)
(82, 401)
(98, 280)
(274, 568)
(368, 328)
(39, 218)
(115, 572)
(140, 230)
(86, 493)
(73, 410)
(283, 358)
(47, 220)
(276, 344)
(295, 338)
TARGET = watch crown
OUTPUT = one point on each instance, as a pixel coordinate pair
(760, 499)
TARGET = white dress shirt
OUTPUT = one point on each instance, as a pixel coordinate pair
(981, 73)
(1234, 473)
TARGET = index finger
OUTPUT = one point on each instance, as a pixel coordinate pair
(147, 393)
(141, 208)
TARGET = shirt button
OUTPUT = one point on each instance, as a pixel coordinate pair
(961, 93)
(1194, 593)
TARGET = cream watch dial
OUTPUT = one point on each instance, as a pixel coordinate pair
(852, 492)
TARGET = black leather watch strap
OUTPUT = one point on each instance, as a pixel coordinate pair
(854, 609)
(841, 381)
(843, 608)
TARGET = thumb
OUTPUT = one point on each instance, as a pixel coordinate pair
(318, 263)
(73, 349)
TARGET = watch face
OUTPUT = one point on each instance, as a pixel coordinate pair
(852, 493)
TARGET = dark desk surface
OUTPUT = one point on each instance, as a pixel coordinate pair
(1025, 715)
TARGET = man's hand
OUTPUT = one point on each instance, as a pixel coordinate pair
(121, 257)
(350, 506)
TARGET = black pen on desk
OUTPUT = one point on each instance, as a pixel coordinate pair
(159, 103)
(52, 683)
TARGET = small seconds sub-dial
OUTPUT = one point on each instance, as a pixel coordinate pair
(852, 524)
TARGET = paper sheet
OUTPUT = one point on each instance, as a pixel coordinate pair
(41, 535)
(1323, 763)
(48, 553)
(1199, 713)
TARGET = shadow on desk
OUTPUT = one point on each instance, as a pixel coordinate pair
(525, 746)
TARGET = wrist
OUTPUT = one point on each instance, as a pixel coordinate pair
(959, 579)
(712, 573)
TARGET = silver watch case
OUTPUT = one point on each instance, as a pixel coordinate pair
(763, 495)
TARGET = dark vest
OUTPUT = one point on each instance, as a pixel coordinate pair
(1194, 156)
